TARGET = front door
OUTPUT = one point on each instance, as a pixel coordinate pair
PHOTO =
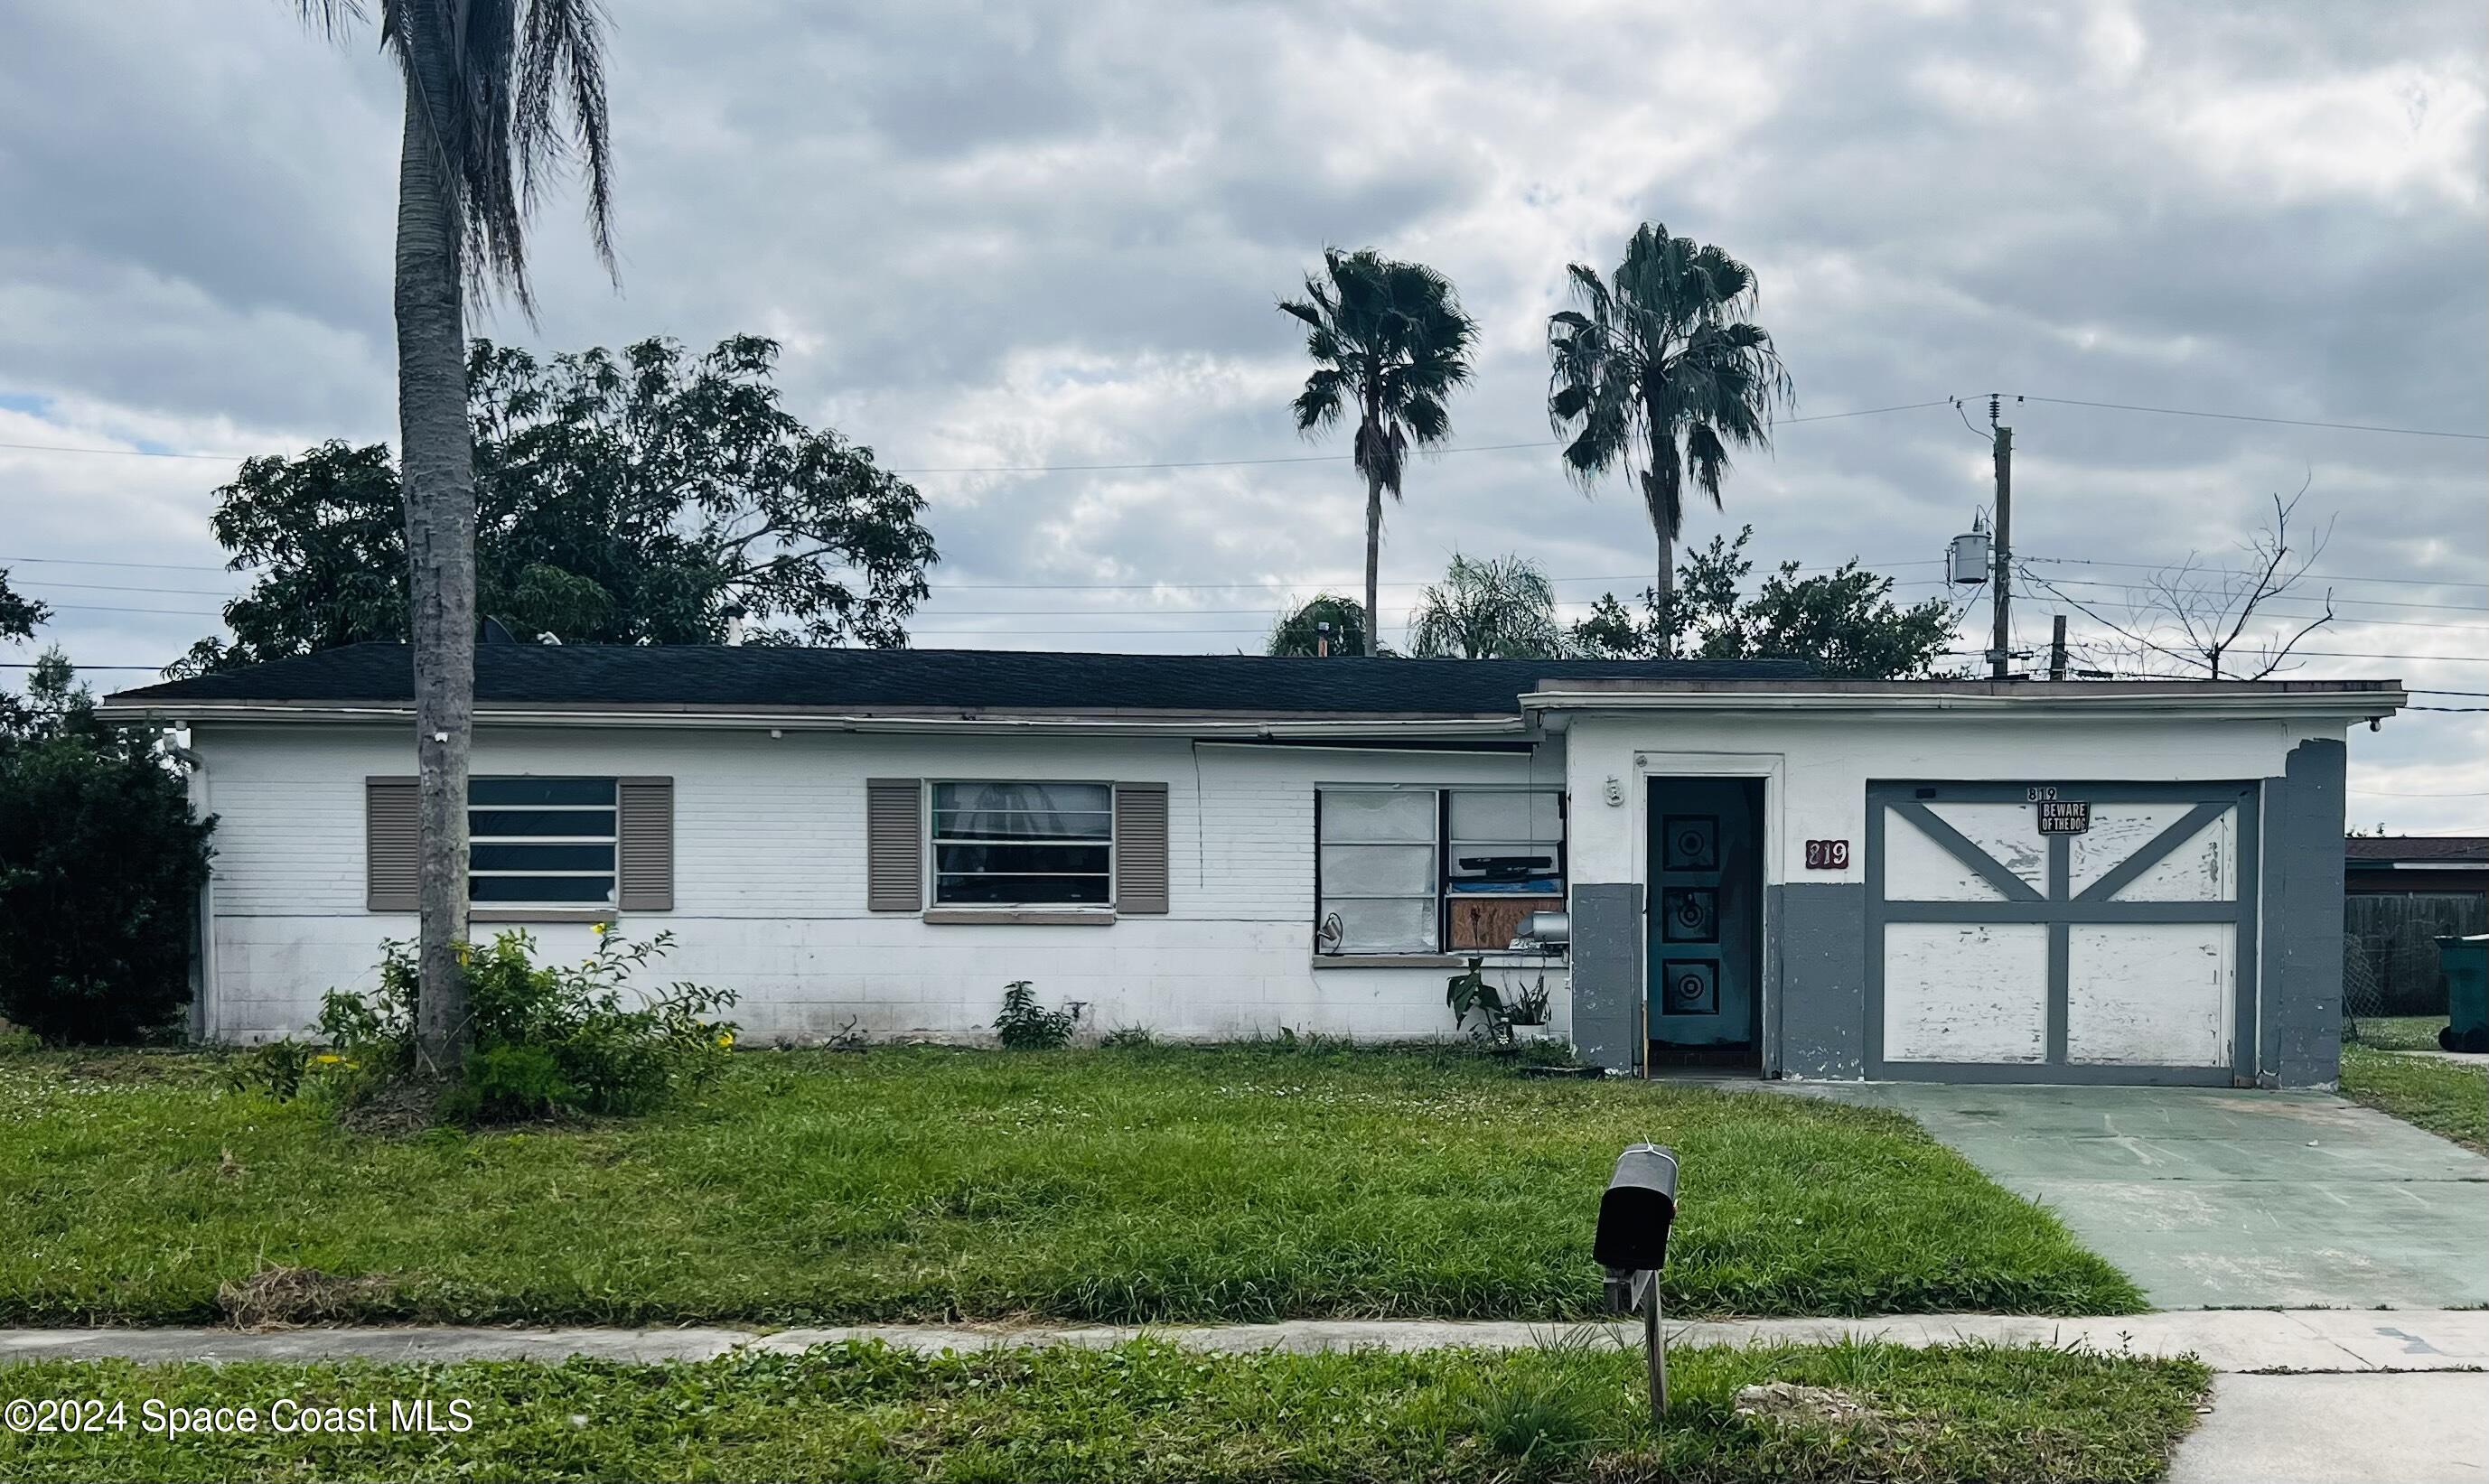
(1704, 923)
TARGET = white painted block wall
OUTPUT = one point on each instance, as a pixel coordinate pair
(771, 880)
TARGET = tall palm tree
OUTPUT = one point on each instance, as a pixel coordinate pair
(1390, 343)
(500, 94)
(1657, 371)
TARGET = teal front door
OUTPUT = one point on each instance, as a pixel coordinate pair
(1704, 921)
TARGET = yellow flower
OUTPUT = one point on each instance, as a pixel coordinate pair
(325, 1059)
(602, 928)
(726, 1039)
(462, 955)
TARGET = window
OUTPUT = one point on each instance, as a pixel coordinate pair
(1023, 844)
(540, 842)
(1406, 870)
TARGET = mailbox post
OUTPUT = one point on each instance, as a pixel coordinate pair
(1632, 1244)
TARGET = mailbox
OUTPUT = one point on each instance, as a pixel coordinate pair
(1634, 1213)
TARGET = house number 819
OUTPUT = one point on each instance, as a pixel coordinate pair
(2041, 795)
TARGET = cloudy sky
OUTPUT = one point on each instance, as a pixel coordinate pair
(1051, 235)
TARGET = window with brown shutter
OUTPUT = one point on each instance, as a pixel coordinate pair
(645, 844)
(1141, 848)
(893, 844)
(390, 846)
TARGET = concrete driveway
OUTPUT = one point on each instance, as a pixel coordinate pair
(2217, 1199)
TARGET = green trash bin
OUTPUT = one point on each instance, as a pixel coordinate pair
(2466, 962)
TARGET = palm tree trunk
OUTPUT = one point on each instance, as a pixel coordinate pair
(437, 460)
(1373, 560)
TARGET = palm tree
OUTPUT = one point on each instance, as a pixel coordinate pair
(1502, 607)
(500, 94)
(1657, 371)
(1389, 342)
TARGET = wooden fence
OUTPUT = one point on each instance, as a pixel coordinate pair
(2390, 949)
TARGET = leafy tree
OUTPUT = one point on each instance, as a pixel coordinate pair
(19, 616)
(1501, 607)
(1844, 622)
(1296, 635)
(653, 498)
(498, 94)
(1658, 374)
(1389, 344)
(100, 867)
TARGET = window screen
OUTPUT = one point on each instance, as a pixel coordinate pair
(540, 842)
(1019, 843)
(1378, 871)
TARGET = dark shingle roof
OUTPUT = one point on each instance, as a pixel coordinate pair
(2449, 849)
(942, 679)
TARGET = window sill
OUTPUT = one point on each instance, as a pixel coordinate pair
(1495, 957)
(541, 914)
(1037, 917)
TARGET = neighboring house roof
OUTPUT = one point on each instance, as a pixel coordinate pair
(2418, 849)
(880, 680)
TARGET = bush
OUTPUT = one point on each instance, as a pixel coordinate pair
(101, 865)
(548, 1038)
(1025, 1025)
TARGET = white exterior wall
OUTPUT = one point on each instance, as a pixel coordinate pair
(769, 880)
(1817, 768)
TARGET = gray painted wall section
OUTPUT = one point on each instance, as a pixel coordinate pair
(1607, 973)
(1821, 934)
(2299, 1021)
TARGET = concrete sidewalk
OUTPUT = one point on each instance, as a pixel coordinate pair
(2229, 1340)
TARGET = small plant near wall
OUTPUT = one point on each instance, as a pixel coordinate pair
(552, 1039)
(1025, 1025)
(1529, 1005)
(1469, 994)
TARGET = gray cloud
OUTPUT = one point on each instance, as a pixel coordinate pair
(1054, 235)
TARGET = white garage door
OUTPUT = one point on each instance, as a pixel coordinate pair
(2060, 932)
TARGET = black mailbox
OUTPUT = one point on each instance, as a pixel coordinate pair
(1634, 1213)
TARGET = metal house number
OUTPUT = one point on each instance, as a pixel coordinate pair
(1827, 855)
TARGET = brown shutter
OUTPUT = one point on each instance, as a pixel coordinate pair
(1141, 847)
(644, 845)
(893, 831)
(391, 844)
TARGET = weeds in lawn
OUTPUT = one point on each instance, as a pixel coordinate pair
(1025, 1025)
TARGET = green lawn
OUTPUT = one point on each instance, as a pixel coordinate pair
(2445, 1098)
(1149, 1411)
(921, 1183)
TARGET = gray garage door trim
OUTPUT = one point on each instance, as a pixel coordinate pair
(2060, 911)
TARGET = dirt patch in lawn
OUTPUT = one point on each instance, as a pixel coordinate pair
(285, 1297)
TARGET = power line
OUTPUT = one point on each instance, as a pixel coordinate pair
(2289, 423)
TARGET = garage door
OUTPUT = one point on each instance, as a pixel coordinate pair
(2061, 933)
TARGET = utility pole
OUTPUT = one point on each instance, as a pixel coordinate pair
(2058, 649)
(2001, 581)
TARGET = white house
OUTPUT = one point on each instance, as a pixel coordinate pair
(1764, 869)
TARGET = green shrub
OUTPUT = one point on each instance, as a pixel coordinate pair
(1025, 1025)
(548, 1038)
(101, 865)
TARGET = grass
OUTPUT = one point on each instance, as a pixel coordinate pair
(2399, 1033)
(2447, 1098)
(1149, 1411)
(920, 1184)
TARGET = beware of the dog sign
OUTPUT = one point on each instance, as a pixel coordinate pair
(2059, 816)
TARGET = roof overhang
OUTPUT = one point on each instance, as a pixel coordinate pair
(2303, 700)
